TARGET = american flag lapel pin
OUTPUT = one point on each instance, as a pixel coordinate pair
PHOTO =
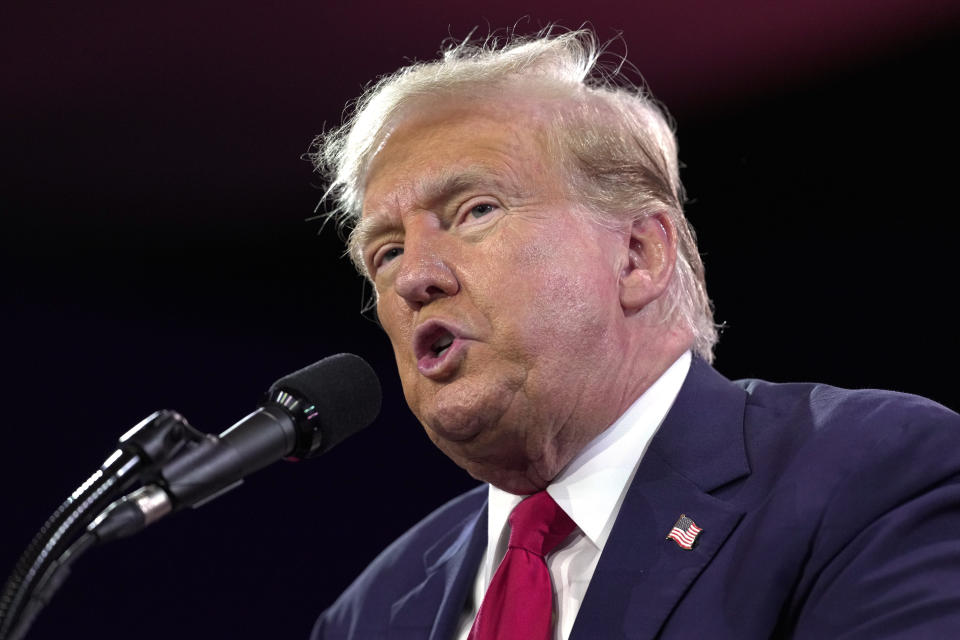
(685, 532)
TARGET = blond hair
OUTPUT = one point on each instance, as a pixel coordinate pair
(614, 140)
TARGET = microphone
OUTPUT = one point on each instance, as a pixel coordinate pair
(304, 414)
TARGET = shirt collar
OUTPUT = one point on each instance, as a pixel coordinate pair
(591, 488)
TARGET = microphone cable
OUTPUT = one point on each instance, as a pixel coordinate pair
(304, 414)
(150, 442)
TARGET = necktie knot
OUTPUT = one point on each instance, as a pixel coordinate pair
(538, 524)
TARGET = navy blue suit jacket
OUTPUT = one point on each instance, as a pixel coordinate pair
(826, 513)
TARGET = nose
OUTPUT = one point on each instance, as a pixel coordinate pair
(425, 269)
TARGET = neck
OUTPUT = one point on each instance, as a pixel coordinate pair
(640, 367)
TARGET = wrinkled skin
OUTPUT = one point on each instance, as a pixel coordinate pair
(466, 223)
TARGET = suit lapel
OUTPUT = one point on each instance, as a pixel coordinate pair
(432, 609)
(641, 575)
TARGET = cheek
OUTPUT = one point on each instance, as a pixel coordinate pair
(563, 293)
(398, 331)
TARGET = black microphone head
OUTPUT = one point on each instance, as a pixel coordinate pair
(329, 400)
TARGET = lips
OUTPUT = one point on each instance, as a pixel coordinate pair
(439, 347)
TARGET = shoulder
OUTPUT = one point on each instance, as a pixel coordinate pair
(869, 482)
(837, 441)
(824, 405)
(856, 425)
(400, 568)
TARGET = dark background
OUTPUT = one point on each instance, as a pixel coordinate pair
(155, 253)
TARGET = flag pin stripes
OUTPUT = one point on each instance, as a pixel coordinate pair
(685, 532)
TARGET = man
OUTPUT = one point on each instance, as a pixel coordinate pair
(522, 224)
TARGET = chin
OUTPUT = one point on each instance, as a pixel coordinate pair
(454, 427)
(496, 454)
(464, 410)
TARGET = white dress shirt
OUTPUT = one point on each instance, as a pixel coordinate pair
(590, 489)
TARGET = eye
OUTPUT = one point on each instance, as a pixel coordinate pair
(386, 255)
(390, 254)
(480, 210)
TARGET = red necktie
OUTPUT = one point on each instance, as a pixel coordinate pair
(519, 600)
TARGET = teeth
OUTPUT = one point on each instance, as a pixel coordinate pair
(441, 345)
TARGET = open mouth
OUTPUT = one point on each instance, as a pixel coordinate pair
(438, 348)
(432, 340)
(441, 344)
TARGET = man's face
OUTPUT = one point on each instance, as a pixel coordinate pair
(499, 294)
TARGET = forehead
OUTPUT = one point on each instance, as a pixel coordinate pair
(450, 147)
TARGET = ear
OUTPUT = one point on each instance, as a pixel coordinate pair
(651, 256)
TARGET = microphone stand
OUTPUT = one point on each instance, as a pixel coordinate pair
(44, 565)
(304, 414)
